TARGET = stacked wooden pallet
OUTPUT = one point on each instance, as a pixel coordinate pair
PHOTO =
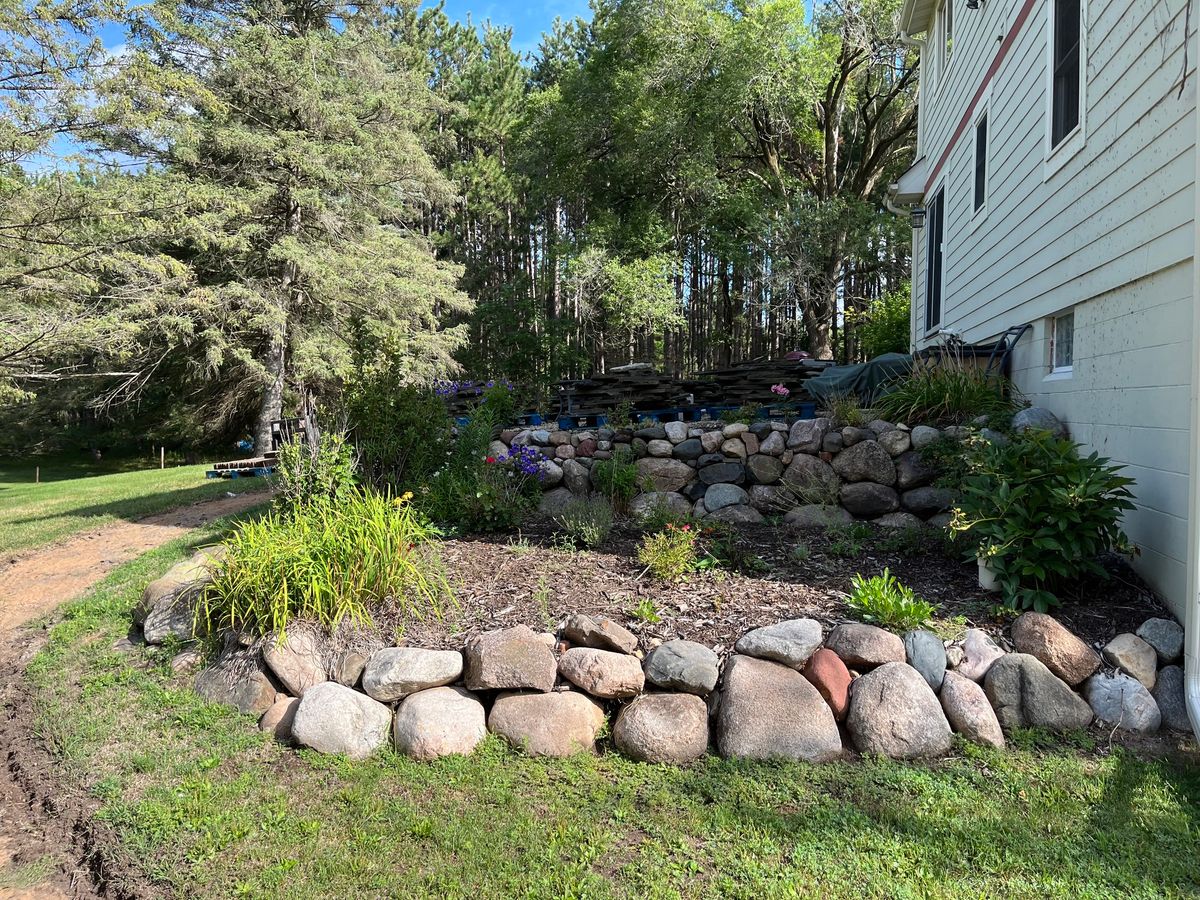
(253, 467)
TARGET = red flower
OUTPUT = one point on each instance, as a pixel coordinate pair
(687, 527)
(491, 459)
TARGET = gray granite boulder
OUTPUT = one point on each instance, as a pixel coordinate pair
(806, 435)
(865, 461)
(811, 479)
(663, 728)
(895, 713)
(599, 632)
(1168, 694)
(763, 469)
(912, 471)
(395, 672)
(723, 473)
(718, 496)
(791, 642)
(863, 646)
(895, 441)
(1025, 694)
(643, 506)
(298, 661)
(814, 515)
(868, 500)
(439, 722)
(682, 666)
(927, 501)
(332, 718)
(554, 502)
(509, 659)
(167, 607)
(1040, 419)
(1123, 702)
(737, 515)
(1165, 636)
(925, 653)
(237, 679)
(664, 474)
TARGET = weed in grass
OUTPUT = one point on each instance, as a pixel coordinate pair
(883, 600)
(22, 877)
(520, 545)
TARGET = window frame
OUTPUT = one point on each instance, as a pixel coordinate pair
(979, 206)
(1056, 155)
(1056, 370)
(935, 220)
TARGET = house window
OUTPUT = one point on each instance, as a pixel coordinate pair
(1062, 343)
(935, 231)
(981, 143)
(948, 13)
(1066, 69)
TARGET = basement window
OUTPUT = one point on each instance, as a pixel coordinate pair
(1062, 344)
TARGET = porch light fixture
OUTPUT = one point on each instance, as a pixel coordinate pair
(917, 215)
(974, 4)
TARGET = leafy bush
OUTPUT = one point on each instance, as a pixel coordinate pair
(325, 562)
(882, 600)
(845, 409)
(745, 414)
(307, 473)
(950, 392)
(1040, 514)
(671, 553)
(884, 326)
(401, 431)
(586, 522)
(617, 478)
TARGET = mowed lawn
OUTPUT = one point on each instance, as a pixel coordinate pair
(76, 496)
(206, 806)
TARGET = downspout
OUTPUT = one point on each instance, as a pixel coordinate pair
(1191, 624)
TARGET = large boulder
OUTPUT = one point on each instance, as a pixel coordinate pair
(894, 712)
(814, 515)
(1025, 694)
(811, 479)
(576, 477)
(1168, 694)
(806, 435)
(297, 661)
(395, 672)
(927, 501)
(554, 502)
(168, 604)
(721, 495)
(771, 711)
(1048, 639)
(332, 718)
(829, 675)
(676, 432)
(868, 500)
(923, 436)
(773, 444)
(862, 646)
(912, 471)
(1165, 636)
(969, 712)
(979, 652)
(237, 679)
(1040, 419)
(439, 722)
(895, 441)
(723, 473)
(663, 728)
(1132, 655)
(1122, 702)
(556, 724)
(737, 515)
(764, 469)
(692, 448)
(682, 666)
(603, 673)
(664, 475)
(652, 503)
(865, 461)
(509, 659)
(791, 642)
(348, 667)
(599, 632)
(925, 653)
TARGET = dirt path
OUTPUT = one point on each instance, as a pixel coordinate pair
(48, 838)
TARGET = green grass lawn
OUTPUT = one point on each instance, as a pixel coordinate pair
(210, 808)
(72, 498)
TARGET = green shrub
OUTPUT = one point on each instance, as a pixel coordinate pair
(1041, 514)
(586, 522)
(401, 431)
(950, 392)
(746, 414)
(617, 478)
(845, 409)
(884, 601)
(671, 553)
(325, 562)
(307, 473)
(659, 516)
(884, 326)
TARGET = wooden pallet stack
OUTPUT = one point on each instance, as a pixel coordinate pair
(252, 467)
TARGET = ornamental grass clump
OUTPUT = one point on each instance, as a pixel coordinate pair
(327, 562)
(1039, 514)
(950, 391)
(585, 522)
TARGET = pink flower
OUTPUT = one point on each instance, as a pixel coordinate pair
(780, 389)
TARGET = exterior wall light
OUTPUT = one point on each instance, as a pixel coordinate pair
(917, 215)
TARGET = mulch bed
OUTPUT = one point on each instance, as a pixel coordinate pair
(506, 580)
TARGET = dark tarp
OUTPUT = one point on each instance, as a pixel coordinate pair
(863, 380)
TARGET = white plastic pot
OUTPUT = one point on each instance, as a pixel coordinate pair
(987, 576)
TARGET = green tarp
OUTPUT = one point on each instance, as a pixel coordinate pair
(863, 380)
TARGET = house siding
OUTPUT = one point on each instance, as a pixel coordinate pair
(1108, 232)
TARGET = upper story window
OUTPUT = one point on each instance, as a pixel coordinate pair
(948, 22)
(935, 235)
(1066, 68)
(981, 146)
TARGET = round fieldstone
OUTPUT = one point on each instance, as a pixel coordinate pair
(1165, 636)
(689, 449)
(895, 441)
(898, 520)
(869, 500)
(554, 502)
(718, 496)
(643, 506)
(599, 632)
(817, 515)
(237, 679)
(925, 653)
(865, 461)
(764, 469)
(1025, 694)
(508, 659)
(969, 712)
(603, 673)
(733, 448)
(297, 661)
(557, 724)
(1122, 702)
(773, 444)
(806, 435)
(829, 675)
(1132, 655)
(791, 642)
(676, 432)
(1062, 653)
(927, 501)
(912, 471)
(277, 721)
(441, 721)
(771, 711)
(348, 667)
(659, 448)
(923, 436)
(663, 728)
(894, 712)
(737, 515)
(682, 666)
(664, 474)
(812, 479)
(852, 435)
(1040, 419)
(396, 672)
(978, 653)
(723, 473)
(862, 646)
(711, 441)
(770, 498)
(651, 433)
(1168, 694)
(576, 477)
(168, 603)
(332, 718)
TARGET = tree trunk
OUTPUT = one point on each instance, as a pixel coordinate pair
(270, 407)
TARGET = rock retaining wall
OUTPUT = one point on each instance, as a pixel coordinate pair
(808, 471)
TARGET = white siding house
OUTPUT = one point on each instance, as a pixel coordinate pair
(1057, 168)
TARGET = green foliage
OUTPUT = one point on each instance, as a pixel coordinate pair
(671, 553)
(1040, 514)
(949, 392)
(586, 522)
(659, 516)
(617, 478)
(646, 611)
(950, 458)
(845, 410)
(745, 414)
(326, 562)
(882, 600)
(324, 472)
(848, 540)
(884, 326)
